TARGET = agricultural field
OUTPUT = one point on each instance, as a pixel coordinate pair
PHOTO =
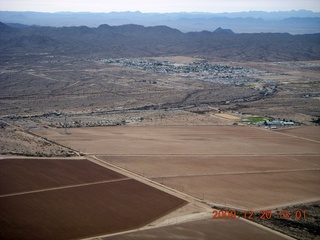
(227, 116)
(185, 140)
(68, 199)
(232, 165)
(246, 182)
(227, 167)
(172, 129)
(311, 133)
(20, 175)
(253, 191)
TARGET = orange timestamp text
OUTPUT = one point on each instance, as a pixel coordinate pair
(262, 214)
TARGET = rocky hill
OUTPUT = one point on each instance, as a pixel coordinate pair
(138, 41)
(220, 30)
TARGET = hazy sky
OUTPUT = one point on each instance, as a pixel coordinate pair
(215, 6)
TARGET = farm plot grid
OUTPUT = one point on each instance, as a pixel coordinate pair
(247, 182)
(62, 202)
(240, 167)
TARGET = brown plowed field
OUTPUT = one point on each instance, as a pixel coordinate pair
(80, 210)
(19, 175)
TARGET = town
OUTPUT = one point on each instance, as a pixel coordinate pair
(205, 71)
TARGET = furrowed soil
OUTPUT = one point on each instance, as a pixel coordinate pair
(87, 208)
(20, 175)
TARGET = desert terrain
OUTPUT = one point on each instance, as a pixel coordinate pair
(119, 138)
(204, 140)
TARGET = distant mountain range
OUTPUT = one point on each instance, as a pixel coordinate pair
(138, 41)
(293, 22)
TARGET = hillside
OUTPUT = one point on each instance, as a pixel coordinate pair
(138, 41)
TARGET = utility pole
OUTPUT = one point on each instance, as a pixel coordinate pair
(65, 125)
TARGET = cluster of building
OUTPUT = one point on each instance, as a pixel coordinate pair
(202, 70)
(278, 123)
(100, 123)
(80, 123)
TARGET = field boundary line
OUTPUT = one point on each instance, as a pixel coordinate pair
(174, 192)
(64, 187)
(291, 135)
(237, 173)
(205, 154)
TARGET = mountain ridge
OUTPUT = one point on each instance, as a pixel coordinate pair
(302, 22)
(133, 40)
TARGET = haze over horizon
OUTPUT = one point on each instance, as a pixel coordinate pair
(165, 6)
